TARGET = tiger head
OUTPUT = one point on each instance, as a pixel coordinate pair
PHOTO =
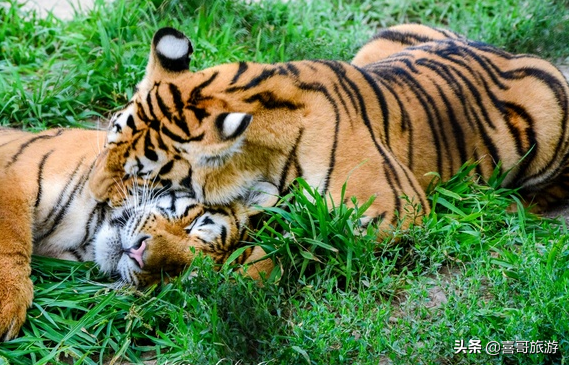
(177, 115)
(158, 238)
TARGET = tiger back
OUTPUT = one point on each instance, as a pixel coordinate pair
(395, 39)
(518, 112)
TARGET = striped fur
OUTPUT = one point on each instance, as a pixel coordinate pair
(47, 208)
(395, 39)
(312, 119)
(428, 107)
(478, 103)
(44, 199)
(181, 228)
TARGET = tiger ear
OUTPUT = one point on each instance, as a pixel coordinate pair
(232, 125)
(170, 53)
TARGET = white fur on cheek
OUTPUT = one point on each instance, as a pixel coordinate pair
(172, 47)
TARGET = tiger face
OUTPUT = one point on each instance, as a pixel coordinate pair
(170, 121)
(159, 238)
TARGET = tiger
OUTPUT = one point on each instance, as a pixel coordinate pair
(175, 228)
(46, 208)
(380, 126)
(553, 183)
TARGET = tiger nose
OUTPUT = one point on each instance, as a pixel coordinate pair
(135, 252)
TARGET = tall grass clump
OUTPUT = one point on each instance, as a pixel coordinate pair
(316, 239)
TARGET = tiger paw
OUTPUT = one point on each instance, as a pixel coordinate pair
(15, 299)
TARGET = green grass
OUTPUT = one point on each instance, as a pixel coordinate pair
(472, 271)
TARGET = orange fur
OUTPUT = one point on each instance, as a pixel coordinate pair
(24, 206)
(16, 291)
(429, 101)
(46, 208)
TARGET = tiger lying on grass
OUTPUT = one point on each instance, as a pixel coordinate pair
(430, 101)
(45, 200)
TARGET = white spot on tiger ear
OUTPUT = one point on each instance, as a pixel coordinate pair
(172, 47)
(234, 124)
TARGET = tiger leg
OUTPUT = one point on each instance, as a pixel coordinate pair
(16, 288)
(396, 191)
(257, 269)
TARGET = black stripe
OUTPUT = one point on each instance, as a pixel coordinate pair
(243, 66)
(94, 224)
(141, 114)
(291, 159)
(164, 109)
(176, 138)
(223, 236)
(187, 210)
(512, 111)
(130, 124)
(179, 120)
(196, 94)
(27, 144)
(149, 149)
(344, 104)
(406, 125)
(186, 183)
(206, 221)
(406, 38)
(270, 101)
(63, 203)
(166, 168)
(266, 74)
(153, 91)
(200, 113)
(40, 178)
(292, 69)
(317, 87)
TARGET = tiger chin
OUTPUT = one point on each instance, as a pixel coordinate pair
(46, 208)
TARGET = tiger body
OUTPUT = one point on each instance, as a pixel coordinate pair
(46, 208)
(474, 102)
(381, 126)
(44, 199)
(298, 129)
